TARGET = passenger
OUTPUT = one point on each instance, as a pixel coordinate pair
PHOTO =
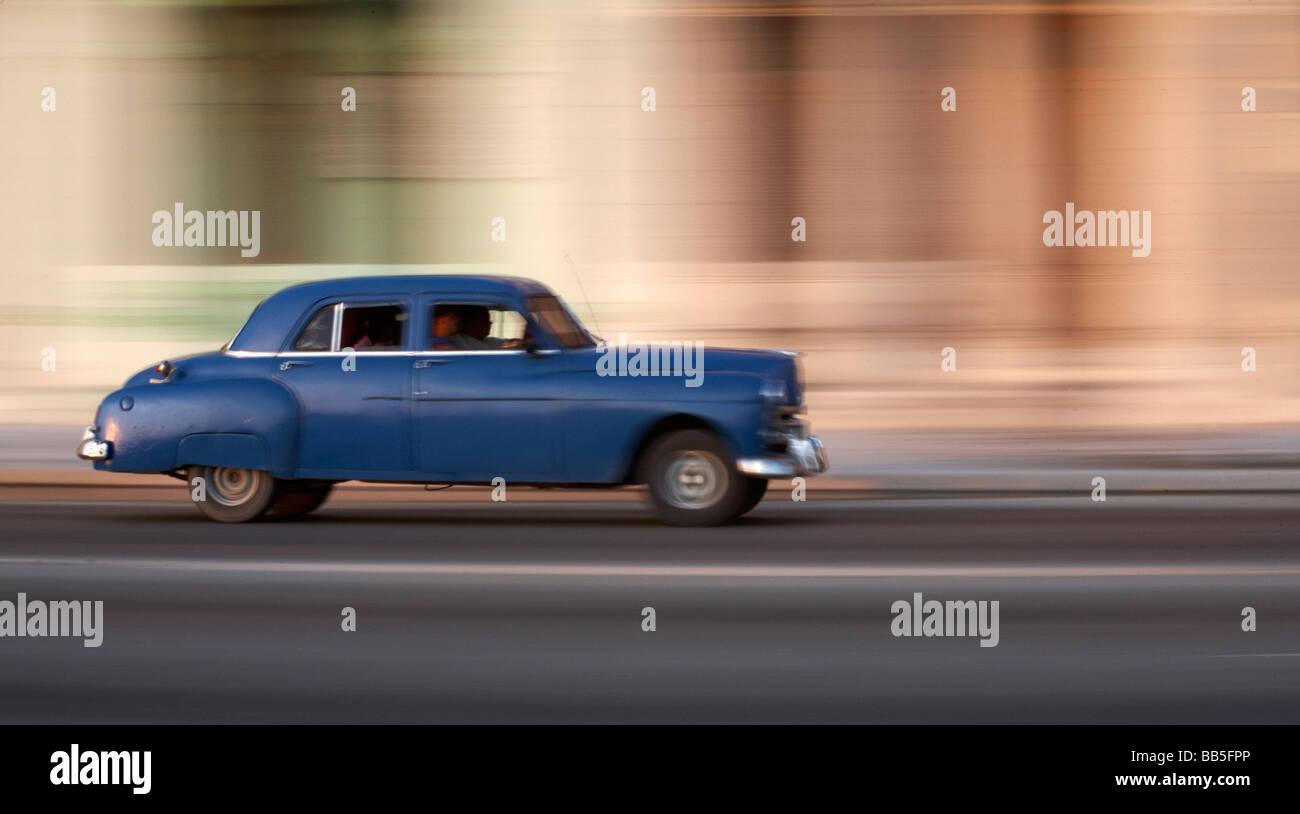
(449, 323)
(363, 340)
(446, 328)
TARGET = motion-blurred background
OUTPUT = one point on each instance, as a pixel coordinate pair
(924, 227)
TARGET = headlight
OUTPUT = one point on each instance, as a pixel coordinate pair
(773, 390)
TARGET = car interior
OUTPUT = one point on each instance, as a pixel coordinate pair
(372, 327)
(479, 327)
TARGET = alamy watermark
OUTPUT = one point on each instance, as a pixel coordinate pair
(38, 618)
(685, 359)
(91, 768)
(952, 618)
(192, 228)
(1128, 228)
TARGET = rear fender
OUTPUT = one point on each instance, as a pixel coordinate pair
(247, 423)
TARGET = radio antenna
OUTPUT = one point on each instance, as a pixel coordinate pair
(583, 291)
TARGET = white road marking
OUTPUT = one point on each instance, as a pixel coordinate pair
(655, 570)
(1250, 656)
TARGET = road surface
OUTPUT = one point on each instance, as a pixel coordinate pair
(1128, 611)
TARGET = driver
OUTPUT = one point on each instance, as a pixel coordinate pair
(454, 328)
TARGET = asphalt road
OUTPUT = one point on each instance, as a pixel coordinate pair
(1128, 611)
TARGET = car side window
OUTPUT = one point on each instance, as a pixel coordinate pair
(464, 326)
(372, 327)
(318, 333)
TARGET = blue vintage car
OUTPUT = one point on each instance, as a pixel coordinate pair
(454, 380)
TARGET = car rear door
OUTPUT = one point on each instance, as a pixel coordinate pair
(355, 405)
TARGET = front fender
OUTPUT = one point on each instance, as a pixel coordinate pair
(614, 418)
(247, 423)
(727, 402)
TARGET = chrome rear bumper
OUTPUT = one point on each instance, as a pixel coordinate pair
(93, 449)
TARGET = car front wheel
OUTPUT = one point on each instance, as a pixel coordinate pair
(755, 488)
(692, 480)
(230, 495)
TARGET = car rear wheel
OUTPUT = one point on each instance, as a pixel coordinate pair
(692, 479)
(299, 500)
(230, 495)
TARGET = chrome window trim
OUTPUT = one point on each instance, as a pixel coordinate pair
(266, 354)
(337, 329)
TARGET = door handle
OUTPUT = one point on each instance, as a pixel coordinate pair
(294, 363)
(423, 363)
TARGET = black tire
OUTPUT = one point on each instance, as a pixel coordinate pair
(755, 488)
(292, 500)
(232, 495)
(692, 479)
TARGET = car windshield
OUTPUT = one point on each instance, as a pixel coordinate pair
(559, 321)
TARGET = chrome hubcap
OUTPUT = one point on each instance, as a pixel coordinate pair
(695, 479)
(232, 487)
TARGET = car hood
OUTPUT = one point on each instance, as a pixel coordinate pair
(781, 365)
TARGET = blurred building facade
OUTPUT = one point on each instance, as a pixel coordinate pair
(924, 226)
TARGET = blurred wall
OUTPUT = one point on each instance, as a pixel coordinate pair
(924, 227)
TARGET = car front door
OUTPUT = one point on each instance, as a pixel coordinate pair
(482, 410)
(350, 369)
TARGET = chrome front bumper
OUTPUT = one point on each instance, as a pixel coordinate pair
(91, 448)
(803, 456)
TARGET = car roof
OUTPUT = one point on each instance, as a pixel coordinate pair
(269, 323)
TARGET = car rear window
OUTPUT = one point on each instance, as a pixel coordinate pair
(372, 327)
(318, 333)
